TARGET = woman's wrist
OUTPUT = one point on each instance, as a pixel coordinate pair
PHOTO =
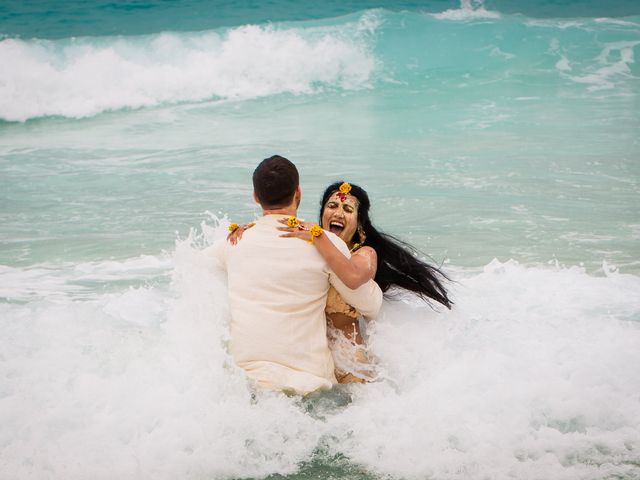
(316, 232)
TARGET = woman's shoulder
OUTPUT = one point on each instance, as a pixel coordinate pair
(365, 250)
(370, 256)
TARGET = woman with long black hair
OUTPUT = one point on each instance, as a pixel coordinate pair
(344, 211)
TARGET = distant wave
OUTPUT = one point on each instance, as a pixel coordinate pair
(469, 10)
(83, 77)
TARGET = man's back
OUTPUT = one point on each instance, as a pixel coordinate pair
(277, 295)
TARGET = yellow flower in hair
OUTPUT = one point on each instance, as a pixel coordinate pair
(345, 188)
(233, 227)
(293, 222)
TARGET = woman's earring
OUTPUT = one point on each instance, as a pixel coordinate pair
(361, 234)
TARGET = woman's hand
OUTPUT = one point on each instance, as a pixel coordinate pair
(354, 271)
(236, 234)
(301, 231)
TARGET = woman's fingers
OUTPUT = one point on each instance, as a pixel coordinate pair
(294, 232)
(301, 225)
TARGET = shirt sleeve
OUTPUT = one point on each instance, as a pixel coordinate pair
(367, 298)
(216, 254)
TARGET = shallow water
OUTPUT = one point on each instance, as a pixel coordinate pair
(498, 138)
(516, 137)
(532, 375)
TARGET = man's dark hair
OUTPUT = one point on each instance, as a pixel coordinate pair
(275, 181)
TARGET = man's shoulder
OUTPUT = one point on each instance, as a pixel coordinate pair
(216, 252)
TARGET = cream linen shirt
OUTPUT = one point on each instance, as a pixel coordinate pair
(277, 296)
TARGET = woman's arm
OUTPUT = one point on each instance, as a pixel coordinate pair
(354, 271)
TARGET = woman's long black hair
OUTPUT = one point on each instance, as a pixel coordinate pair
(397, 261)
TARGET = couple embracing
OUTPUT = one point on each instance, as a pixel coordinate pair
(296, 304)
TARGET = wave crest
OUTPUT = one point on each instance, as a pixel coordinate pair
(83, 77)
(469, 10)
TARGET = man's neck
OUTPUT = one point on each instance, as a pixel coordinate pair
(290, 211)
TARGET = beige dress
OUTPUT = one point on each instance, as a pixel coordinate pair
(351, 359)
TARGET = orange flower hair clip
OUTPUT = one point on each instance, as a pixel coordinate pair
(344, 189)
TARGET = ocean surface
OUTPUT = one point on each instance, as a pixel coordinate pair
(500, 138)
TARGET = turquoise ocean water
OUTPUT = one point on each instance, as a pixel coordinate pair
(499, 138)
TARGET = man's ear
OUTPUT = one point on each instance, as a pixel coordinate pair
(297, 196)
(255, 198)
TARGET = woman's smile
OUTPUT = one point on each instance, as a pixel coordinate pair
(340, 216)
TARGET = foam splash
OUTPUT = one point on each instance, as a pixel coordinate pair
(527, 376)
(86, 76)
(78, 280)
(616, 21)
(532, 374)
(613, 67)
(469, 10)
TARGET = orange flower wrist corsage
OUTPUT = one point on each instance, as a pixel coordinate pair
(315, 231)
(233, 227)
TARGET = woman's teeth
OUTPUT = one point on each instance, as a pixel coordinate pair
(336, 227)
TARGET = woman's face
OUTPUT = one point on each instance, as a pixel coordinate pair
(340, 216)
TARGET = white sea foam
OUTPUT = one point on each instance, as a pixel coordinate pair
(563, 64)
(85, 76)
(532, 375)
(554, 23)
(616, 21)
(613, 67)
(469, 10)
(18, 284)
(75, 280)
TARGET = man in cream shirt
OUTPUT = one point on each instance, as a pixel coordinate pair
(278, 292)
